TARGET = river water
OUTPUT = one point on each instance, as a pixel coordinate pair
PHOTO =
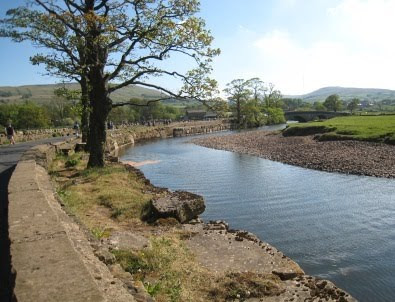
(338, 227)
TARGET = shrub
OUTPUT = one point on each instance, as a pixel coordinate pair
(71, 163)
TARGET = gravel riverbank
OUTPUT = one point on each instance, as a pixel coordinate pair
(350, 157)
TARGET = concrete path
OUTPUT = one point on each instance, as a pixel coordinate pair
(9, 156)
(45, 255)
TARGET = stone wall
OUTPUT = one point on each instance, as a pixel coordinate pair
(33, 135)
(123, 137)
(128, 135)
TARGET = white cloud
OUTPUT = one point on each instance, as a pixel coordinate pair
(288, 3)
(351, 45)
(369, 22)
(360, 54)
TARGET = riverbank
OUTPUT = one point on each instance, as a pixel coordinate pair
(166, 260)
(349, 157)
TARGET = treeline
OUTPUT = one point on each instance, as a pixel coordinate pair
(24, 116)
(63, 113)
(335, 103)
(154, 111)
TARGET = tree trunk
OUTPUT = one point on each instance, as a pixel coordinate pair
(238, 109)
(99, 101)
(85, 111)
(100, 108)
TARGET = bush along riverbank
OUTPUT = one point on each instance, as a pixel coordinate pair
(318, 146)
(152, 240)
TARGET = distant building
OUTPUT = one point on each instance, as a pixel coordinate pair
(211, 115)
(199, 115)
(366, 103)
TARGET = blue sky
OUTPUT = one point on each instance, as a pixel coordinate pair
(298, 45)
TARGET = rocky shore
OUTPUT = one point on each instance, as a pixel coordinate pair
(236, 264)
(349, 157)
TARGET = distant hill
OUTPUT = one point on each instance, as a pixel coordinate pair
(44, 93)
(368, 94)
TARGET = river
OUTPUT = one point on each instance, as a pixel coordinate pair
(338, 227)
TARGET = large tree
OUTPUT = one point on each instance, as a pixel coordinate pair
(238, 94)
(353, 105)
(333, 102)
(126, 42)
(272, 97)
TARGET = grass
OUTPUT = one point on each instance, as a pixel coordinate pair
(112, 189)
(367, 128)
(167, 269)
(112, 198)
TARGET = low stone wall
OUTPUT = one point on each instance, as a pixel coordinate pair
(128, 135)
(123, 137)
(32, 135)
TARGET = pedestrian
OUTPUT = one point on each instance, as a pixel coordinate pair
(10, 133)
(76, 128)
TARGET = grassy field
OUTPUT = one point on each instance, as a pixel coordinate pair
(368, 128)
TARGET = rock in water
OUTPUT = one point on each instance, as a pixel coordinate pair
(181, 205)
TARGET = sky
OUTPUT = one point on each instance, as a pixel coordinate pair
(298, 45)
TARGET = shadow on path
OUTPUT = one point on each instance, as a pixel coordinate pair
(7, 274)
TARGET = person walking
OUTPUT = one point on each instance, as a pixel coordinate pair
(10, 132)
(76, 128)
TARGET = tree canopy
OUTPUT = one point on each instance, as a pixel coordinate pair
(353, 105)
(255, 103)
(333, 102)
(120, 41)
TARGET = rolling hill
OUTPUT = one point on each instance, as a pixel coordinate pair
(44, 93)
(346, 93)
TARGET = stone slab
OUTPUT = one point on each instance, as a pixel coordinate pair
(51, 271)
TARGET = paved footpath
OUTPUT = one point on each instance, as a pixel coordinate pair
(45, 256)
(9, 157)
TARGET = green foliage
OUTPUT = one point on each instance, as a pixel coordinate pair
(154, 111)
(273, 97)
(353, 105)
(254, 117)
(162, 258)
(291, 104)
(71, 162)
(319, 106)
(254, 104)
(24, 116)
(152, 288)
(100, 232)
(333, 103)
(238, 94)
(275, 116)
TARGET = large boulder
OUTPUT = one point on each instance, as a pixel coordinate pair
(181, 205)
